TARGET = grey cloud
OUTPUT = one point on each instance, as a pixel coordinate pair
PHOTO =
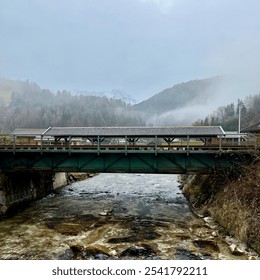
(130, 44)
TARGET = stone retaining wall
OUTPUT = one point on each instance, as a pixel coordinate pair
(19, 188)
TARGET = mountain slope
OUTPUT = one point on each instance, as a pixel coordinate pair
(179, 95)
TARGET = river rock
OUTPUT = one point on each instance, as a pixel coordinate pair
(142, 251)
(76, 248)
(106, 212)
(113, 253)
(252, 258)
(210, 222)
(235, 250)
(183, 254)
(207, 245)
(3, 209)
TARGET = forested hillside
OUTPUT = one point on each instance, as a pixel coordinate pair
(178, 96)
(25, 104)
(179, 105)
(183, 103)
(227, 116)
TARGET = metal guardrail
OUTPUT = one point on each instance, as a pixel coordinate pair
(227, 143)
(127, 148)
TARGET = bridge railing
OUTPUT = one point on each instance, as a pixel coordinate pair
(130, 145)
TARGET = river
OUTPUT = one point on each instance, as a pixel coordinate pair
(115, 216)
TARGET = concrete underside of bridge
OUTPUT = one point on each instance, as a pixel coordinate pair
(175, 163)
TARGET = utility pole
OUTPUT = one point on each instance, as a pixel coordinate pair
(239, 121)
(239, 117)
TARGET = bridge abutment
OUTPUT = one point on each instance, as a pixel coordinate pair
(19, 188)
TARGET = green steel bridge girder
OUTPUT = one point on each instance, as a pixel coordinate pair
(178, 163)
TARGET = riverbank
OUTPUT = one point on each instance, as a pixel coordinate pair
(232, 200)
(21, 188)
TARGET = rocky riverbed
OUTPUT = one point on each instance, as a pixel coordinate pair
(116, 216)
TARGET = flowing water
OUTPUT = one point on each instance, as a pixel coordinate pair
(114, 216)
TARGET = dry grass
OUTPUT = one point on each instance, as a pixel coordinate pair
(233, 203)
(237, 208)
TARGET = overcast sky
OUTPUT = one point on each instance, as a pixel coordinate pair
(138, 46)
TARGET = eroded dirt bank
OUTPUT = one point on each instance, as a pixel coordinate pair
(232, 200)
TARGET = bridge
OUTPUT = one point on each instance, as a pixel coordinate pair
(176, 150)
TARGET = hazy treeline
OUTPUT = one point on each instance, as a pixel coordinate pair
(33, 107)
(25, 104)
(227, 116)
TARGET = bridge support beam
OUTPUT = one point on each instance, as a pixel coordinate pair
(125, 161)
